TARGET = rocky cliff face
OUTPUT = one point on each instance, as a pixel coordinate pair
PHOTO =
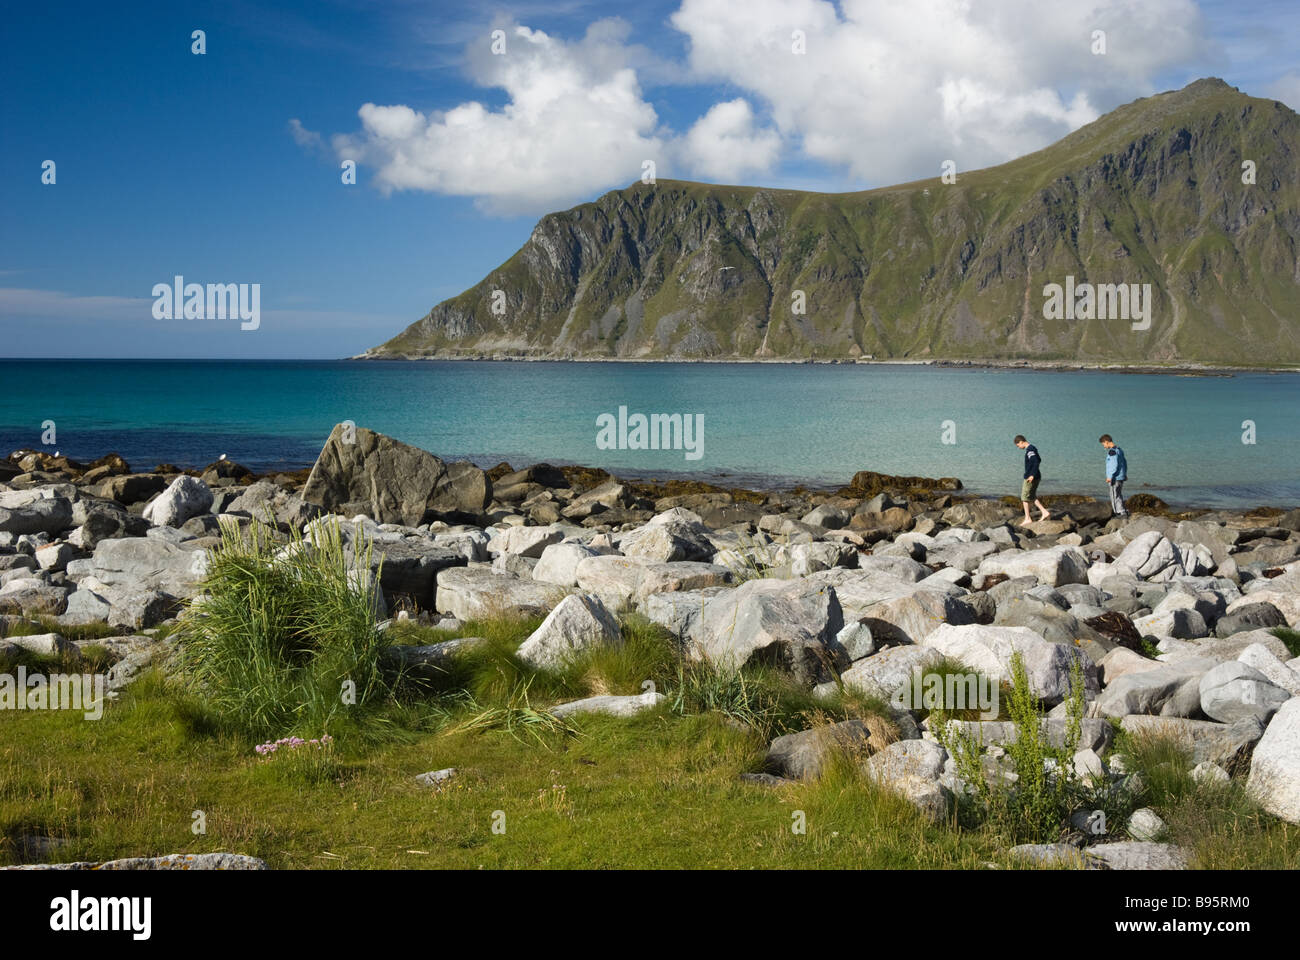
(1151, 193)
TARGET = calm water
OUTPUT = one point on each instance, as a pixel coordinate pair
(764, 425)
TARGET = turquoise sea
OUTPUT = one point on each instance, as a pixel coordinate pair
(764, 425)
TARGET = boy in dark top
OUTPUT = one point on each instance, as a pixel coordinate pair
(1116, 474)
(1033, 475)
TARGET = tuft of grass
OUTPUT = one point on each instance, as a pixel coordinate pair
(1290, 638)
(284, 641)
(1220, 823)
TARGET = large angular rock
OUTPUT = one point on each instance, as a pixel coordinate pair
(1235, 691)
(883, 673)
(1264, 660)
(526, 541)
(1151, 556)
(1052, 566)
(1275, 768)
(559, 563)
(1256, 615)
(1170, 690)
(1180, 623)
(786, 623)
(149, 564)
(1287, 602)
(627, 581)
(678, 611)
(391, 481)
(476, 593)
(1138, 855)
(579, 622)
(989, 650)
(911, 768)
(1094, 734)
(185, 497)
(265, 500)
(673, 535)
(859, 590)
(44, 515)
(912, 618)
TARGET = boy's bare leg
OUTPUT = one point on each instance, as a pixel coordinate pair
(1046, 514)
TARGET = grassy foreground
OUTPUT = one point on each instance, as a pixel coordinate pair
(172, 766)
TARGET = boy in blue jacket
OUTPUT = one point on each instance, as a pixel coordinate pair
(1116, 474)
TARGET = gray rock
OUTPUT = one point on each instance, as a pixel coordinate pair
(49, 515)
(175, 861)
(392, 481)
(1050, 855)
(1094, 734)
(1251, 616)
(883, 673)
(627, 581)
(185, 497)
(1209, 773)
(579, 622)
(436, 778)
(470, 593)
(1170, 690)
(916, 616)
(1266, 662)
(989, 650)
(142, 563)
(1053, 566)
(141, 609)
(559, 563)
(856, 640)
(526, 541)
(673, 535)
(789, 623)
(1136, 855)
(1235, 691)
(1275, 768)
(614, 706)
(44, 644)
(1145, 824)
(1150, 556)
(803, 755)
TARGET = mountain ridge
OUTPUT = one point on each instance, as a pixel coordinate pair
(1150, 193)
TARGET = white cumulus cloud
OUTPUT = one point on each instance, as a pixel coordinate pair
(886, 90)
(727, 144)
(575, 123)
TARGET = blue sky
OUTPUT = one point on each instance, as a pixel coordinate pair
(225, 167)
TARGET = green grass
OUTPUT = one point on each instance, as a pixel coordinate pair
(1290, 638)
(283, 641)
(661, 789)
(1219, 822)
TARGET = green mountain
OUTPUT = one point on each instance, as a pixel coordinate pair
(1151, 193)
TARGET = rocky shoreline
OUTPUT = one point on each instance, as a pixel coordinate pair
(1177, 368)
(1169, 615)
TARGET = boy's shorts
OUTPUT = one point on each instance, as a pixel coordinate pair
(1029, 489)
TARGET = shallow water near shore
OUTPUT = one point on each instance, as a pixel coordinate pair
(764, 425)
